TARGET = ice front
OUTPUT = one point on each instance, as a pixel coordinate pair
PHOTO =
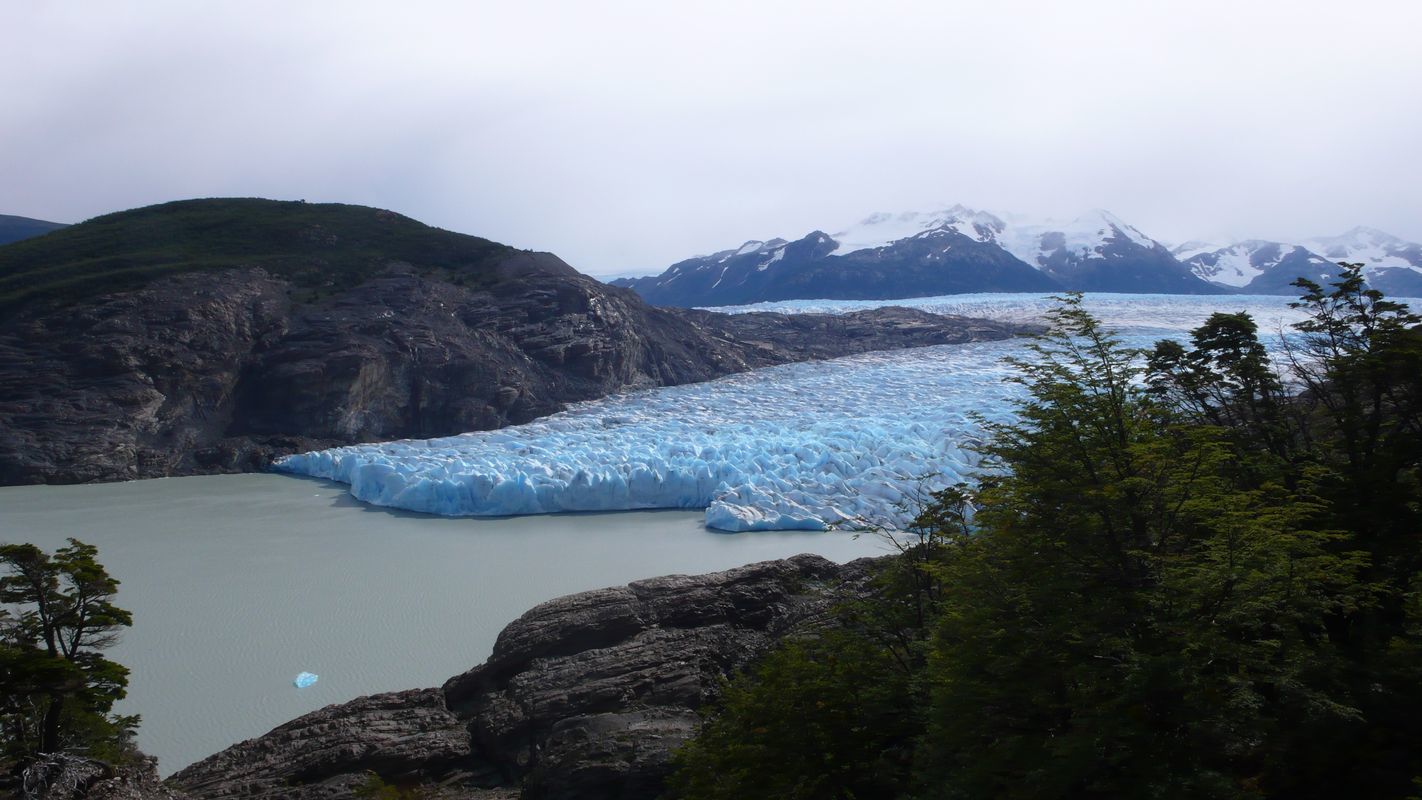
(844, 443)
(798, 447)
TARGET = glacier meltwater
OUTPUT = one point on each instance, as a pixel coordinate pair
(845, 443)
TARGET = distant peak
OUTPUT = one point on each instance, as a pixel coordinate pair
(1104, 217)
(1361, 231)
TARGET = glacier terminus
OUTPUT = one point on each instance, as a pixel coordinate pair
(849, 443)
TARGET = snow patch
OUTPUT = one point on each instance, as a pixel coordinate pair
(779, 254)
(1194, 247)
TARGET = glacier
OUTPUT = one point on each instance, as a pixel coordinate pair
(797, 447)
(848, 443)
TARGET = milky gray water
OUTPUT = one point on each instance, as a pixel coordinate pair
(239, 582)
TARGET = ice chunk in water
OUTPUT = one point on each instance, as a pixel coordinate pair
(304, 680)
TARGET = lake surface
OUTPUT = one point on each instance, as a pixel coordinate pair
(239, 582)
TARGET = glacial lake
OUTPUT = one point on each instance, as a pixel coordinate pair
(239, 582)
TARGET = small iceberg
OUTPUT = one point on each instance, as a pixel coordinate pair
(304, 680)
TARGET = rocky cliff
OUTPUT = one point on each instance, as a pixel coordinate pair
(218, 359)
(586, 696)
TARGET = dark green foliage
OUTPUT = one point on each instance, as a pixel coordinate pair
(1182, 575)
(1360, 365)
(821, 719)
(321, 247)
(375, 788)
(56, 690)
(829, 716)
(1133, 615)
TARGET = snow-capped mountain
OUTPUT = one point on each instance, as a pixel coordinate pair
(1096, 251)
(914, 254)
(1100, 252)
(883, 257)
(1262, 267)
(1391, 264)
(883, 229)
(1256, 266)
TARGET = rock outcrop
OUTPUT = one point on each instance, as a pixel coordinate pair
(586, 696)
(220, 371)
(328, 753)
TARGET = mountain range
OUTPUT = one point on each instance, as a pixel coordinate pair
(959, 249)
(1262, 267)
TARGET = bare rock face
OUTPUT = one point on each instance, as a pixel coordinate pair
(221, 371)
(134, 386)
(586, 696)
(400, 736)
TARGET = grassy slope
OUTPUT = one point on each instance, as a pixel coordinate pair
(321, 248)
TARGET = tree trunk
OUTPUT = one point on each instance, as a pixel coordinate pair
(49, 734)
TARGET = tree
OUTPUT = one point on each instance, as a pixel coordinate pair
(56, 689)
(1359, 363)
(1225, 380)
(1134, 615)
(1360, 366)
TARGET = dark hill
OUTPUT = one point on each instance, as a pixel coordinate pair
(209, 335)
(13, 229)
(318, 247)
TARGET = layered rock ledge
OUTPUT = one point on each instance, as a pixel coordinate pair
(586, 696)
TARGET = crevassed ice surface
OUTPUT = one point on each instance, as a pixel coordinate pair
(798, 447)
(848, 442)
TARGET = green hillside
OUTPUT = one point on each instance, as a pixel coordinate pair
(320, 247)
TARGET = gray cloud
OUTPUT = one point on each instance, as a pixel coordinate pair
(626, 135)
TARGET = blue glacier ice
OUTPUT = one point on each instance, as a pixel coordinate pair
(845, 443)
(802, 446)
(304, 680)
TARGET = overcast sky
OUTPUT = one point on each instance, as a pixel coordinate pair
(624, 136)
